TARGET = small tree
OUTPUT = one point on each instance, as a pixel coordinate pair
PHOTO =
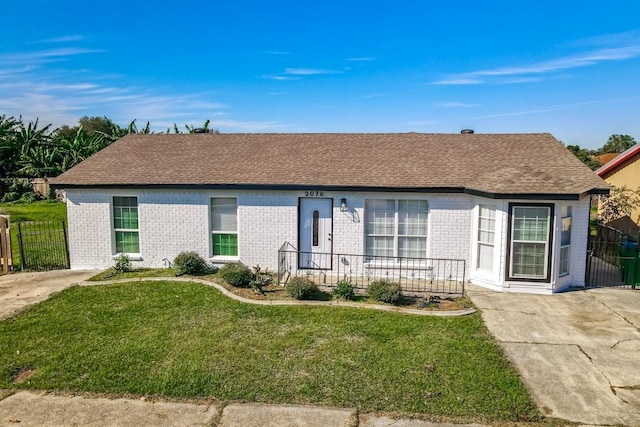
(620, 202)
(618, 144)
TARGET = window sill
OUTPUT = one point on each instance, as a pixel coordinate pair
(132, 257)
(217, 259)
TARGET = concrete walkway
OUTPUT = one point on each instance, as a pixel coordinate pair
(19, 290)
(578, 352)
(40, 409)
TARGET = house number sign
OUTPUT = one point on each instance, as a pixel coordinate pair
(313, 193)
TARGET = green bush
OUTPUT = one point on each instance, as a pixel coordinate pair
(261, 278)
(190, 263)
(301, 288)
(385, 291)
(236, 274)
(344, 289)
(123, 264)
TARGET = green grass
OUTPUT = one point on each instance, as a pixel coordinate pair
(187, 340)
(37, 211)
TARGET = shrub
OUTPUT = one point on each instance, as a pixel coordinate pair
(384, 291)
(123, 264)
(190, 263)
(301, 288)
(261, 278)
(30, 197)
(344, 289)
(236, 274)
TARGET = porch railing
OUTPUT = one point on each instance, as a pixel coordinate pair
(415, 275)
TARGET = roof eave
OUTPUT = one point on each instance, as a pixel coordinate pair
(369, 189)
(623, 157)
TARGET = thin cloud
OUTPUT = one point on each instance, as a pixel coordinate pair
(373, 96)
(309, 71)
(549, 109)
(362, 59)
(277, 52)
(63, 39)
(528, 73)
(44, 56)
(458, 81)
(281, 78)
(455, 105)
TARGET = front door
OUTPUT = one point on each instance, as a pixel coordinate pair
(315, 225)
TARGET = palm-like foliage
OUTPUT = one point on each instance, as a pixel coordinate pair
(30, 151)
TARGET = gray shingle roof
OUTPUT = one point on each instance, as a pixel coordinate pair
(504, 164)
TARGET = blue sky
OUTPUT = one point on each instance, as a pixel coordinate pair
(571, 68)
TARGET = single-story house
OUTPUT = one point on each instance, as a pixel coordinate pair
(513, 207)
(624, 170)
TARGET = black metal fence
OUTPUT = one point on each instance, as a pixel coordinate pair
(613, 259)
(43, 245)
(415, 275)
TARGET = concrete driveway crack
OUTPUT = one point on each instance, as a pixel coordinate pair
(621, 341)
(615, 312)
(611, 386)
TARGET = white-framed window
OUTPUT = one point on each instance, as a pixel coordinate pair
(565, 240)
(486, 237)
(126, 225)
(396, 228)
(224, 226)
(530, 241)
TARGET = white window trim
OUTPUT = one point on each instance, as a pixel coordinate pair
(133, 256)
(223, 258)
(567, 247)
(478, 242)
(396, 236)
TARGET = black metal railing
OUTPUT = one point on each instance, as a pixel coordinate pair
(415, 275)
(43, 245)
(613, 259)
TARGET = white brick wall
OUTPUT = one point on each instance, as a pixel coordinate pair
(172, 221)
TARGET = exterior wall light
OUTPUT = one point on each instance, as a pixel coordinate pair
(343, 205)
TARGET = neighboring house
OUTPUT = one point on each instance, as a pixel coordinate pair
(514, 207)
(605, 158)
(624, 170)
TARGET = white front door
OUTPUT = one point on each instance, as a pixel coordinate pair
(315, 225)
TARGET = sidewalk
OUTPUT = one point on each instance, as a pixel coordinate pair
(27, 408)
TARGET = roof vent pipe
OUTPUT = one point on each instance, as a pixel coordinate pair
(200, 130)
(463, 131)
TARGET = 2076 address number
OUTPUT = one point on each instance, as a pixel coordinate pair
(314, 193)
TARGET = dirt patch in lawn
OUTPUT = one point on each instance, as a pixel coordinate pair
(20, 375)
(427, 302)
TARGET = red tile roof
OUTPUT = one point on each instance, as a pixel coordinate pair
(504, 164)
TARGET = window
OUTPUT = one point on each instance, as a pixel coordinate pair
(396, 228)
(486, 237)
(224, 226)
(565, 240)
(530, 235)
(125, 225)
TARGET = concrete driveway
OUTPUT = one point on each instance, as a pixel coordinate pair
(19, 290)
(578, 352)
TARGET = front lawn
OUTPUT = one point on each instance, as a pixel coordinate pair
(187, 340)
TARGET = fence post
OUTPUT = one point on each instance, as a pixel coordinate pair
(21, 246)
(66, 244)
(5, 243)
